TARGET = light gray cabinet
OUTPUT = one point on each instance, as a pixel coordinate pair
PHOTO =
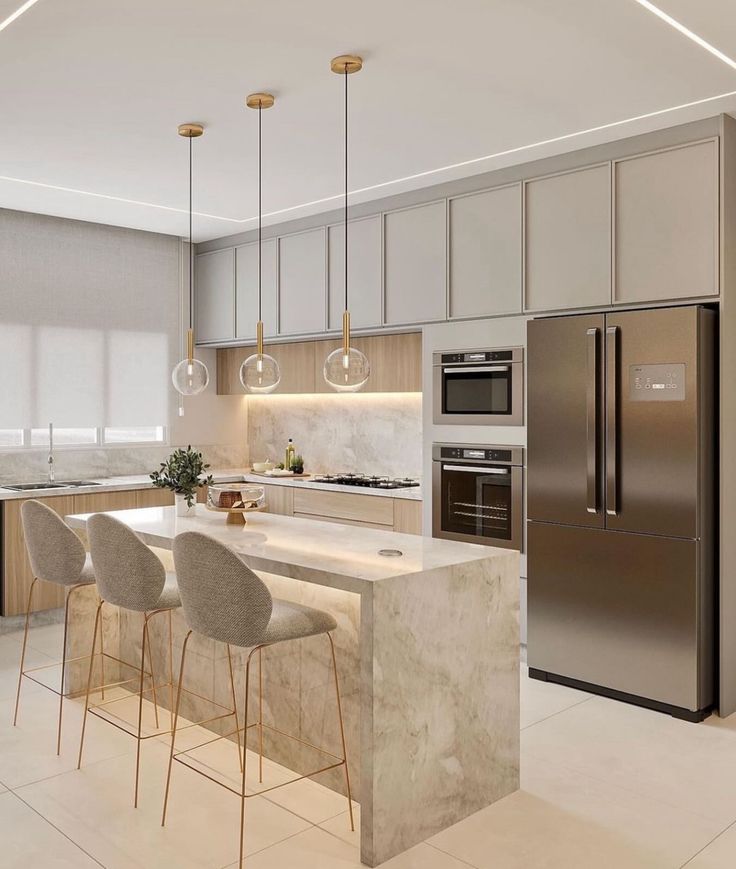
(303, 283)
(485, 253)
(246, 289)
(567, 240)
(415, 264)
(214, 285)
(666, 224)
(364, 278)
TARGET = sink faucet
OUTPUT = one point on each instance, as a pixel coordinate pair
(51, 452)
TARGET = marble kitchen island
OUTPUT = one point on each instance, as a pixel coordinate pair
(428, 645)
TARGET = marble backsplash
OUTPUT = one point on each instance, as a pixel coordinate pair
(368, 433)
(71, 464)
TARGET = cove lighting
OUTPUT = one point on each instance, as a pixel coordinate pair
(18, 12)
(673, 22)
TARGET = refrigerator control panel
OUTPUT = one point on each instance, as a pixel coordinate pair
(657, 382)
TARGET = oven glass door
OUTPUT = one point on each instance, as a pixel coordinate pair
(481, 389)
(477, 501)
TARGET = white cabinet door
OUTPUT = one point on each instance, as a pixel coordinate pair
(485, 253)
(415, 264)
(364, 277)
(214, 294)
(246, 289)
(567, 240)
(666, 225)
(303, 283)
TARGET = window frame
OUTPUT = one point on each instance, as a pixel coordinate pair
(99, 442)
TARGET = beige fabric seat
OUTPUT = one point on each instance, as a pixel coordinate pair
(224, 600)
(131, 577)
(57, 556)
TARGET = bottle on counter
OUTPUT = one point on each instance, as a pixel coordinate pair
(290, 453)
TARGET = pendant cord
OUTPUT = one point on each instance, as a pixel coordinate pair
(260, 209)
(346, 187)
(191, 251)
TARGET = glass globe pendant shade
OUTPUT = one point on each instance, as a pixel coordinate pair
(260, 374)
(347, 371)
(190, 377)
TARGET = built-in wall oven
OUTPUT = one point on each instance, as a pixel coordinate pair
(479, 387)
(478, 494)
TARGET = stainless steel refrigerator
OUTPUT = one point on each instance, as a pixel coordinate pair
(621, 505)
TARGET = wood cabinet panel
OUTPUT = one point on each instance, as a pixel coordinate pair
(341, 521)
(485, 253)
(246, 289)
(98, 502)
(154, 498)
(344, 505)
(279, 499)
(364, 263)
(303, 282)
(567, 241)
(296, 363)
(407, 516)
(214, 280)
(666, 224)
(17, 572)
(396, 362)
(415, 264)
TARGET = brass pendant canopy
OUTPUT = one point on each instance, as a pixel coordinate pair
(346, 63)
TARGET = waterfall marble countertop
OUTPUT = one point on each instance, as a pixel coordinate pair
(225, 475)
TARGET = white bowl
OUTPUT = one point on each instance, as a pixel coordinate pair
(262, 467)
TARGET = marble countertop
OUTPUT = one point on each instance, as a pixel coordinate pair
(223, 475)
(341, 556)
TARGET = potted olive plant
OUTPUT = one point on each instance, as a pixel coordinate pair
(183, 472)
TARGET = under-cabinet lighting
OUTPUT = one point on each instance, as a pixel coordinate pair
(18, 12)
(673, 22)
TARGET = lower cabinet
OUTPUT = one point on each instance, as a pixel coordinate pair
(154, 498)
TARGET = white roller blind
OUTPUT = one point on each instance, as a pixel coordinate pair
(88, 323)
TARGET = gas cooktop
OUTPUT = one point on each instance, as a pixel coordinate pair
(366, 480)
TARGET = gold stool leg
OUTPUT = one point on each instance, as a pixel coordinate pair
(173, 729)
(144, 643)
(235, 704)
(171, 673)
(342, 732)
(89, 682)
(150, 664)
(23, 651)
(245, 759)
(102, 659)
(260, 715)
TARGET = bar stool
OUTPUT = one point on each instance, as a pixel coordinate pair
(225, 600)
(57, 556)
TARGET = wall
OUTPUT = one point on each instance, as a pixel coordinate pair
(379, 433)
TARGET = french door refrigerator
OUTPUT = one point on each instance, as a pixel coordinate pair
(620, 505)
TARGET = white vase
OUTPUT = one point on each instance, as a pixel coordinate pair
(182, 508)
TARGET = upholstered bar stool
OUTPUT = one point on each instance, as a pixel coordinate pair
(223, 599)
(56, 555)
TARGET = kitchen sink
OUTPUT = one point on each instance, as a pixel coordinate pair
(32, 487)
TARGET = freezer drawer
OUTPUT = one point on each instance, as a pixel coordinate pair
(627, 612)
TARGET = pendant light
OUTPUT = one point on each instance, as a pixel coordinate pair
(260, 372)
(346, 369)
(190, 376)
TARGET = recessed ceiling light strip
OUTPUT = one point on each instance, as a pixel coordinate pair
(18, 12)
(673, 22)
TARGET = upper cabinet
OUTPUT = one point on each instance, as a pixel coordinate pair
(364, 277)
(666, 225)
(214, 276)
(567, 241)
(246, 284)
(415, 264)
(302, 283)
(485, 253)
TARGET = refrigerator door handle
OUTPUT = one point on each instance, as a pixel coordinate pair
(612, 506)
(591, 420)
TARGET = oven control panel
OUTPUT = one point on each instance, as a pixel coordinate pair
(478, 454)
(478, 356)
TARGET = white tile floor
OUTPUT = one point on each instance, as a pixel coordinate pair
(603, 785)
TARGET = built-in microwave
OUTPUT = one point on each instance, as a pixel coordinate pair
(477, 494)
(479, 387)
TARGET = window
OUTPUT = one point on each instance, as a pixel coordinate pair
(38, 438)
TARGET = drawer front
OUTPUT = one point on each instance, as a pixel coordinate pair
(343, 505)
(315, 518)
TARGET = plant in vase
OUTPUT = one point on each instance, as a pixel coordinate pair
(183, 472)
(297, 464)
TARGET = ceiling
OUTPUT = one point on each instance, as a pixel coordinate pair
(91, 95)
